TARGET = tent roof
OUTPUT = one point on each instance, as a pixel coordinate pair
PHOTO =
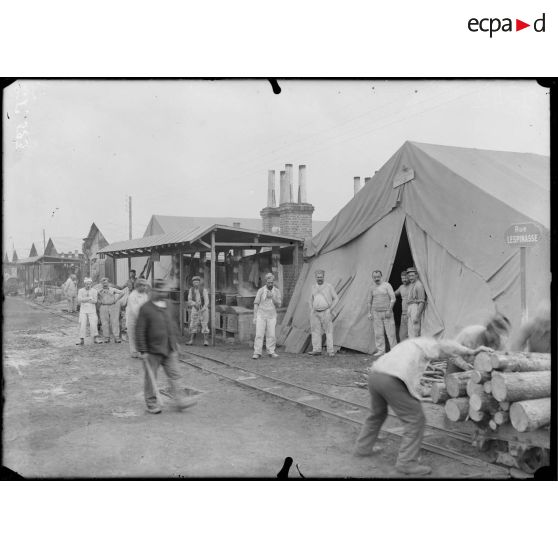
(520, 181)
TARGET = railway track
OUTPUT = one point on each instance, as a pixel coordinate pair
(348, 411)
(318, 402)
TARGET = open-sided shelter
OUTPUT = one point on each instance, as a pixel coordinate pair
(444, 210)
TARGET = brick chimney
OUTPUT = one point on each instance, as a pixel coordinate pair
(270, 213)
(296, 217)
(356, 186)
(291, 218)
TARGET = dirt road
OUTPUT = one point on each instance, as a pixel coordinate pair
(78, 412)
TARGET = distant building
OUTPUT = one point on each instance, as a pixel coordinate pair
(96, 267)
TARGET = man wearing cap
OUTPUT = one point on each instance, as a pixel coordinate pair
(110, 310)
(415, 303)
(136, 299)
(323, 299)
(381, 299)
(403, 292)
(87, 299)
(70, 290)
(267, 300)
(198, 302)
(156, 340)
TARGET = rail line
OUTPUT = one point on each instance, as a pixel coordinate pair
(324, 403)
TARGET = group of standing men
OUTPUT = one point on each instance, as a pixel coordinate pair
(381, 300)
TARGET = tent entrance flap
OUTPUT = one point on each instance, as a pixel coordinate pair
(403, 260)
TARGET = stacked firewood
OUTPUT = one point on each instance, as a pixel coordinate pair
(502, 388)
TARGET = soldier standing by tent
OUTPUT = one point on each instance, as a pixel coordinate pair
(198, 301)
(381, 299)
(394, 380)
(267, 300)
(110, 310)
(415, 303)
(70, 290)
(323, 299)
(403, 292)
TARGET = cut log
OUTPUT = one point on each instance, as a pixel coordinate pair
(501, 417)
(526, 416)
(519, 386)
(483, 402)
(492, 425)
(512, 362)
(504, 405)
(479, 377)
(476, 416)
(473, 387)
(487, 387)
(456, 383)
(457, 408)
(439, 393)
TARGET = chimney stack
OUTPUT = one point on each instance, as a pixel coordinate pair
(271, 188)
(367, 179)
(289, 179)
(302, 184)
(236, 225)
(283, 196)
(356, 180)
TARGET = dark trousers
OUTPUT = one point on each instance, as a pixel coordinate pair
(170, 366)
(388, 390)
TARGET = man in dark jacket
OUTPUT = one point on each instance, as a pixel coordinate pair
(156, 340)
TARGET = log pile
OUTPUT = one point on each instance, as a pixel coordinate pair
(503, 388)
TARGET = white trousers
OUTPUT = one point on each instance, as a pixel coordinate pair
(265, 327)
(83, 318)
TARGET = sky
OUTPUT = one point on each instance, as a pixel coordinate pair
(74, 150)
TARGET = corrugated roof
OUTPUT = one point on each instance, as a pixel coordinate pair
(185, 237)
(163, 224)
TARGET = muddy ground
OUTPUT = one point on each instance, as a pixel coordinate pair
(78, 412)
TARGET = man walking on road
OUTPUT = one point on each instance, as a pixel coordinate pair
(198, 302)
(136, 299)
(110, 310)
(415, 303)
(323, 299)
(381, 299)
(70, 290)
(156, 340)
(403, 292)
(394, 380)
(267, 300)
(87, 298)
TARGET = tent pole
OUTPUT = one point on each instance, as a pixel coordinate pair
(213, 288)
(523, 273)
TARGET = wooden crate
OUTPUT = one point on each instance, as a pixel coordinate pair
(232, 323)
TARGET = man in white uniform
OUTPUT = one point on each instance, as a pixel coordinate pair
(323, 299)
(70, 290)
(267, 300)
(87, 298)
(381, 299)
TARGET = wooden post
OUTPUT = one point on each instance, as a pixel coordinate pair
(181, 291)
(213, 285)
(523, 272)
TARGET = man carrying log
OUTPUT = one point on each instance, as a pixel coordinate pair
(494, 335)
(394, 380)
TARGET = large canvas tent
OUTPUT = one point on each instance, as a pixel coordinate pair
(448, 217)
